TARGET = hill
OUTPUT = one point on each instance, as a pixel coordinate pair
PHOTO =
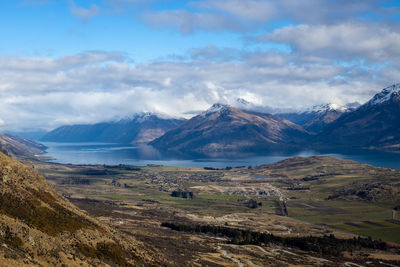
(141, 128)
(223, 128)
(373, 125)
(18, 147)
(40, 227)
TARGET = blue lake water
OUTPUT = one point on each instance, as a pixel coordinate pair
(114, 154)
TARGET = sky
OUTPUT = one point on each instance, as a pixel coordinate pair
(69, 61)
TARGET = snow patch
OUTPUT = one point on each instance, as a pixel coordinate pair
(144, 116)
(216, 108)
(385, 95)
(243, 102)
(324, 107)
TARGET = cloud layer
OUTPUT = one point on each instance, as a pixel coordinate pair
(293, 54)
(96, 86)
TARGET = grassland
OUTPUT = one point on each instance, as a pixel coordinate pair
(321, 195)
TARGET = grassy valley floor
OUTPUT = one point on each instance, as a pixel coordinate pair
(293, 198)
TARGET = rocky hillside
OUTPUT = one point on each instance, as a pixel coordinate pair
(376, 124)
(40, 227)
(15, 146)
(223, 128)
(141, 128)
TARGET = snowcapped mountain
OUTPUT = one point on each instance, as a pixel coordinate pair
(325, 107)
(243, 101)
(224, 128)
(218, 107)
(385, 95)
(316, 118)
(376, 124)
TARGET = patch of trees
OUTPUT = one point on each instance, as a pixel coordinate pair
(76, 180)
(113, 169)
(316, 177)
(218, 169)
(253, 204)
(226, 168)
(94, 172)
(327, 244)
(182, 194)
(298, 188)
(310, 178)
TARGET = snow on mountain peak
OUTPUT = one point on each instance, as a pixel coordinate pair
(216, 108)
(141, 117)
(243, 101)
(324, 107)
(385, 95)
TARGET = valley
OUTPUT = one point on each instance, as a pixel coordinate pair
(300, 210)
(297, 197)
(227, 133)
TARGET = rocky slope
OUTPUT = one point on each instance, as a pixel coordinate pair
(376, 124)
(40, 227)
(15, 146)
(223, 128)
(141, 128)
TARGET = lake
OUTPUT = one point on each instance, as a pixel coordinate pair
(114, 154)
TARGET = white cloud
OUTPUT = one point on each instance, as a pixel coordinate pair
(49, 64)
(248, 10)
(254, 15)
(102, 87)
(83, 13)
(188, 22)
(346, 41)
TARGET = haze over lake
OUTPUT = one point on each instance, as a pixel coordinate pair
(114, 154)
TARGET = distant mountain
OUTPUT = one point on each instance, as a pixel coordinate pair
(18, 147)
(31, 135)
(39, 227)
(141, 128)
(318, 117)
(376, 124)
(223, 128)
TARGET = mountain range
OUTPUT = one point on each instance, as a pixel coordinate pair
(224, 128)
(315, 119)
(139, 129)
(373, 125)
(376, 124)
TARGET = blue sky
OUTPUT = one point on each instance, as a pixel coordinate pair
(50, 28)
(65, 61)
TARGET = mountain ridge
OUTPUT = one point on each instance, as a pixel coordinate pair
(40, 227)
(374, 124)
(322, 121)
(140, 128)
(316, 118)
(226, 128)
(18, 147)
